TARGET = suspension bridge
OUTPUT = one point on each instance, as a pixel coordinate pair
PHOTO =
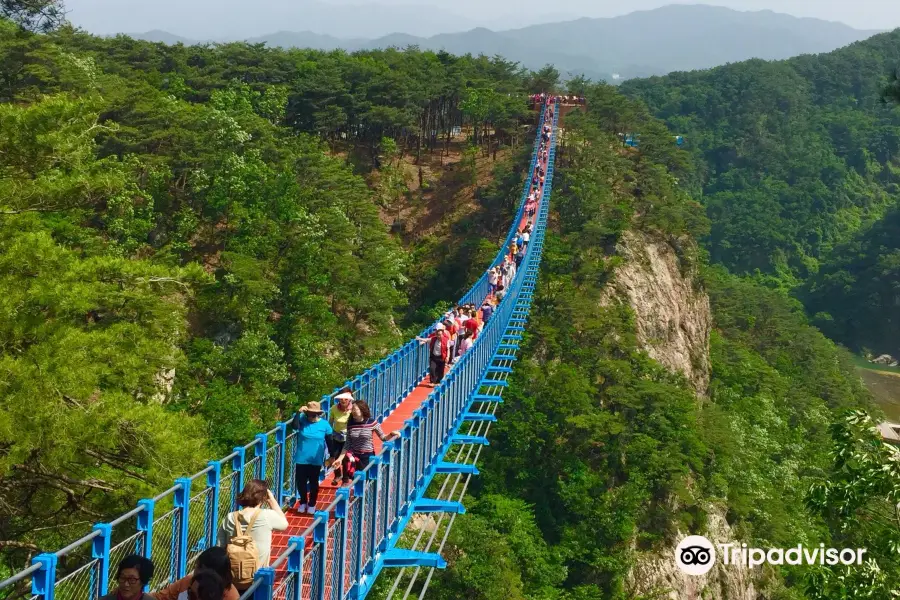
(340, 551)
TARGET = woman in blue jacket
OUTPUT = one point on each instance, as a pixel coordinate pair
(309, 455)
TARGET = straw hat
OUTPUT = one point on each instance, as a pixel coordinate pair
(312, 407)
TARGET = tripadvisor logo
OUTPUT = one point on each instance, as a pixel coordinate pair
(696, 555)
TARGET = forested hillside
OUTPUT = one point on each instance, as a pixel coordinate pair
(798, 160)
(195, 240)
(603, 459)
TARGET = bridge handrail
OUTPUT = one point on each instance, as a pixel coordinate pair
(384, 385)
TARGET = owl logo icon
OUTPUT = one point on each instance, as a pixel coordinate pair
(695, 555)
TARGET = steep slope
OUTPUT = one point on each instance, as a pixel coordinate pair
(774, 207)
(186, 257)
(800, 215)
(659, 280)
(855, 295)
(630, 458)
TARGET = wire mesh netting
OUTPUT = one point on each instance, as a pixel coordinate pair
(402, 461)
(415, 447)
(251, 470)
(133, 544)
(333, 566)
(368, 517)
(315, 582)
(286, 588)
(81, 584)
(383, 476)
(165, 549)
(273, 465)
(290, 475)
(392, 477)
(201, 518)
(354, 514)
(227, 495)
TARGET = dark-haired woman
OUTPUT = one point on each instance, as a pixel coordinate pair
(206, 585)
(260, 515)
(133, 574)
(213, 559)
(359, 435)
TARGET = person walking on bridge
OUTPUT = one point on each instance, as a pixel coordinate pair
(359, 435)
(214, 559)
(259, 515)
(438, 353)
(133, 573)
(309, 455)
(338, 415)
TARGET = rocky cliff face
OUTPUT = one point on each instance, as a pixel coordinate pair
(658, 279)
(656, 576)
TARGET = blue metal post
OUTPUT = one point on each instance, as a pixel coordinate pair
(100, 551)
(182, 504)
(340, 553)
(43, 581)
(213, 482)
(320, 537)
(395, 396)
(280, 464)
(266, 588)
(403, 372)
(145, 525)
(237, 465)
(259, 450)
(359, 491)
(295, 565)
(361, 381)
(378, 385)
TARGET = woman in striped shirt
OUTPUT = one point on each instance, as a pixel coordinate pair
(359, 435)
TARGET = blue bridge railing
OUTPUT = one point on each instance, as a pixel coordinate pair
(338, 557)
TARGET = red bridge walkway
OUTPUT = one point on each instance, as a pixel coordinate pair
(300, 523)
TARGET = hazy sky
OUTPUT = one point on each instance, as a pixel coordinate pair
(108, 16)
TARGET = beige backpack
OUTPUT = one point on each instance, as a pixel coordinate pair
(242, 552)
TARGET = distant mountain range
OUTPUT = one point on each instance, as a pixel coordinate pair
(644, 43)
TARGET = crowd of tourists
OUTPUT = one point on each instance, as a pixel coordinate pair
(459, 328)
(342, 439)
(221, 572)
(567, 100)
